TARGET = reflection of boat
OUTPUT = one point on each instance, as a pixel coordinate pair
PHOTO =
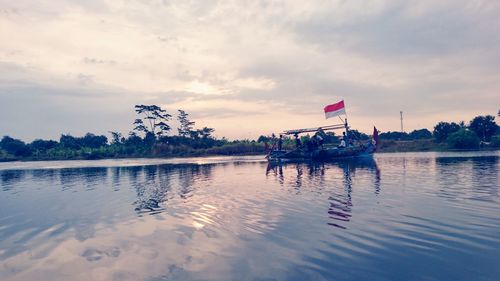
(315, 150)
(318, 176)
(346, 164)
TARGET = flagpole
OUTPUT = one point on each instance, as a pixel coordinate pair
(334, 109)
(345, 123)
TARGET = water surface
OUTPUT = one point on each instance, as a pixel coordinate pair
(414, 216)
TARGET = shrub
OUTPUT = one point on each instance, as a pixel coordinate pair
(495, 141)
(463, 139)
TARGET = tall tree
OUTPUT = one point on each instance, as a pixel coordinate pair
(185, 125)
(154, 120)
(443, 129)
(206, 132)
(116, 137)
(484, 126)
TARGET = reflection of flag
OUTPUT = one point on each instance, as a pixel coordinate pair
(335, 109)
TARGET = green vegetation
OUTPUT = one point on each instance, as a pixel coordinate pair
(148, 138)
(482, 132)
(484, 126)
(409, 145)
(463, 139)
(151, 137)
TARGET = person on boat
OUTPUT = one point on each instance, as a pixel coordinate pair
(298, 143)
(342, 144)
(319, 138)
(280, 143)
(343, 140)
(310, 145)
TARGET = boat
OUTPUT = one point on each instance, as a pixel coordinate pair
(314, 149)
(324, 152)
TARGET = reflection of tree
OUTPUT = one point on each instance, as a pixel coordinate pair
(159, 183)
(485, 177)
(116, 178)
(340, 202)
(45, 174)
(152, 190)
(10, 177)
(467, 177)
(189, 174)
(91, 176)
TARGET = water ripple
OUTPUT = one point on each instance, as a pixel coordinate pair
(422, 216)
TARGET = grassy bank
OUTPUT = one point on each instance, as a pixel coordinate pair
(410, 146)
(387, 146)
(123, 151)
(229, 149)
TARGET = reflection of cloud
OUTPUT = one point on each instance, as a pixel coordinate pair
(101, 241)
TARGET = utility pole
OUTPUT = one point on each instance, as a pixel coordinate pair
(401, 114)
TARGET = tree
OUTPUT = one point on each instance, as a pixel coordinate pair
(443, 129)
(68, 141)
(116, 137)
(204, 138)
(133, 140)
(206, 132)
(463, 139)
(149, 139)
(263, 139)
(484, 126)
(14, 146)
(93, 141)
(357, 135)
(394, 136)
(420, 134)
(154, 120)
(43, 145)
(185, 127)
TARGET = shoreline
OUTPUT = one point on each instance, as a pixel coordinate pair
(220, 155)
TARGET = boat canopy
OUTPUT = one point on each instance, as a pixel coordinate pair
(310, 130)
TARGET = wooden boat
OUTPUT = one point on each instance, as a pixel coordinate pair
(324, 152)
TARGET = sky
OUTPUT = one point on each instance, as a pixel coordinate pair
(245, 68)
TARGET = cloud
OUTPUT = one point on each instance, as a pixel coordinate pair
(98, 61)
(230, 62)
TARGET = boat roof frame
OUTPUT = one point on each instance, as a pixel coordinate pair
(315, 129)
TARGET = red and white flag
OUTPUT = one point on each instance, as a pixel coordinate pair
(335, 109)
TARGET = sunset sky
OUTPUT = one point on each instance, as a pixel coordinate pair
(245, 68)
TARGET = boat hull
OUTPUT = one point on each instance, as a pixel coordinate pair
(323, 153)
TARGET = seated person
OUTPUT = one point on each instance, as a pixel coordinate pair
(342, 143)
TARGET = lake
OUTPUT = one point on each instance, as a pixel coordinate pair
(412, 216)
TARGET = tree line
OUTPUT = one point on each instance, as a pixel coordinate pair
(152, 136)
(480, 131)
